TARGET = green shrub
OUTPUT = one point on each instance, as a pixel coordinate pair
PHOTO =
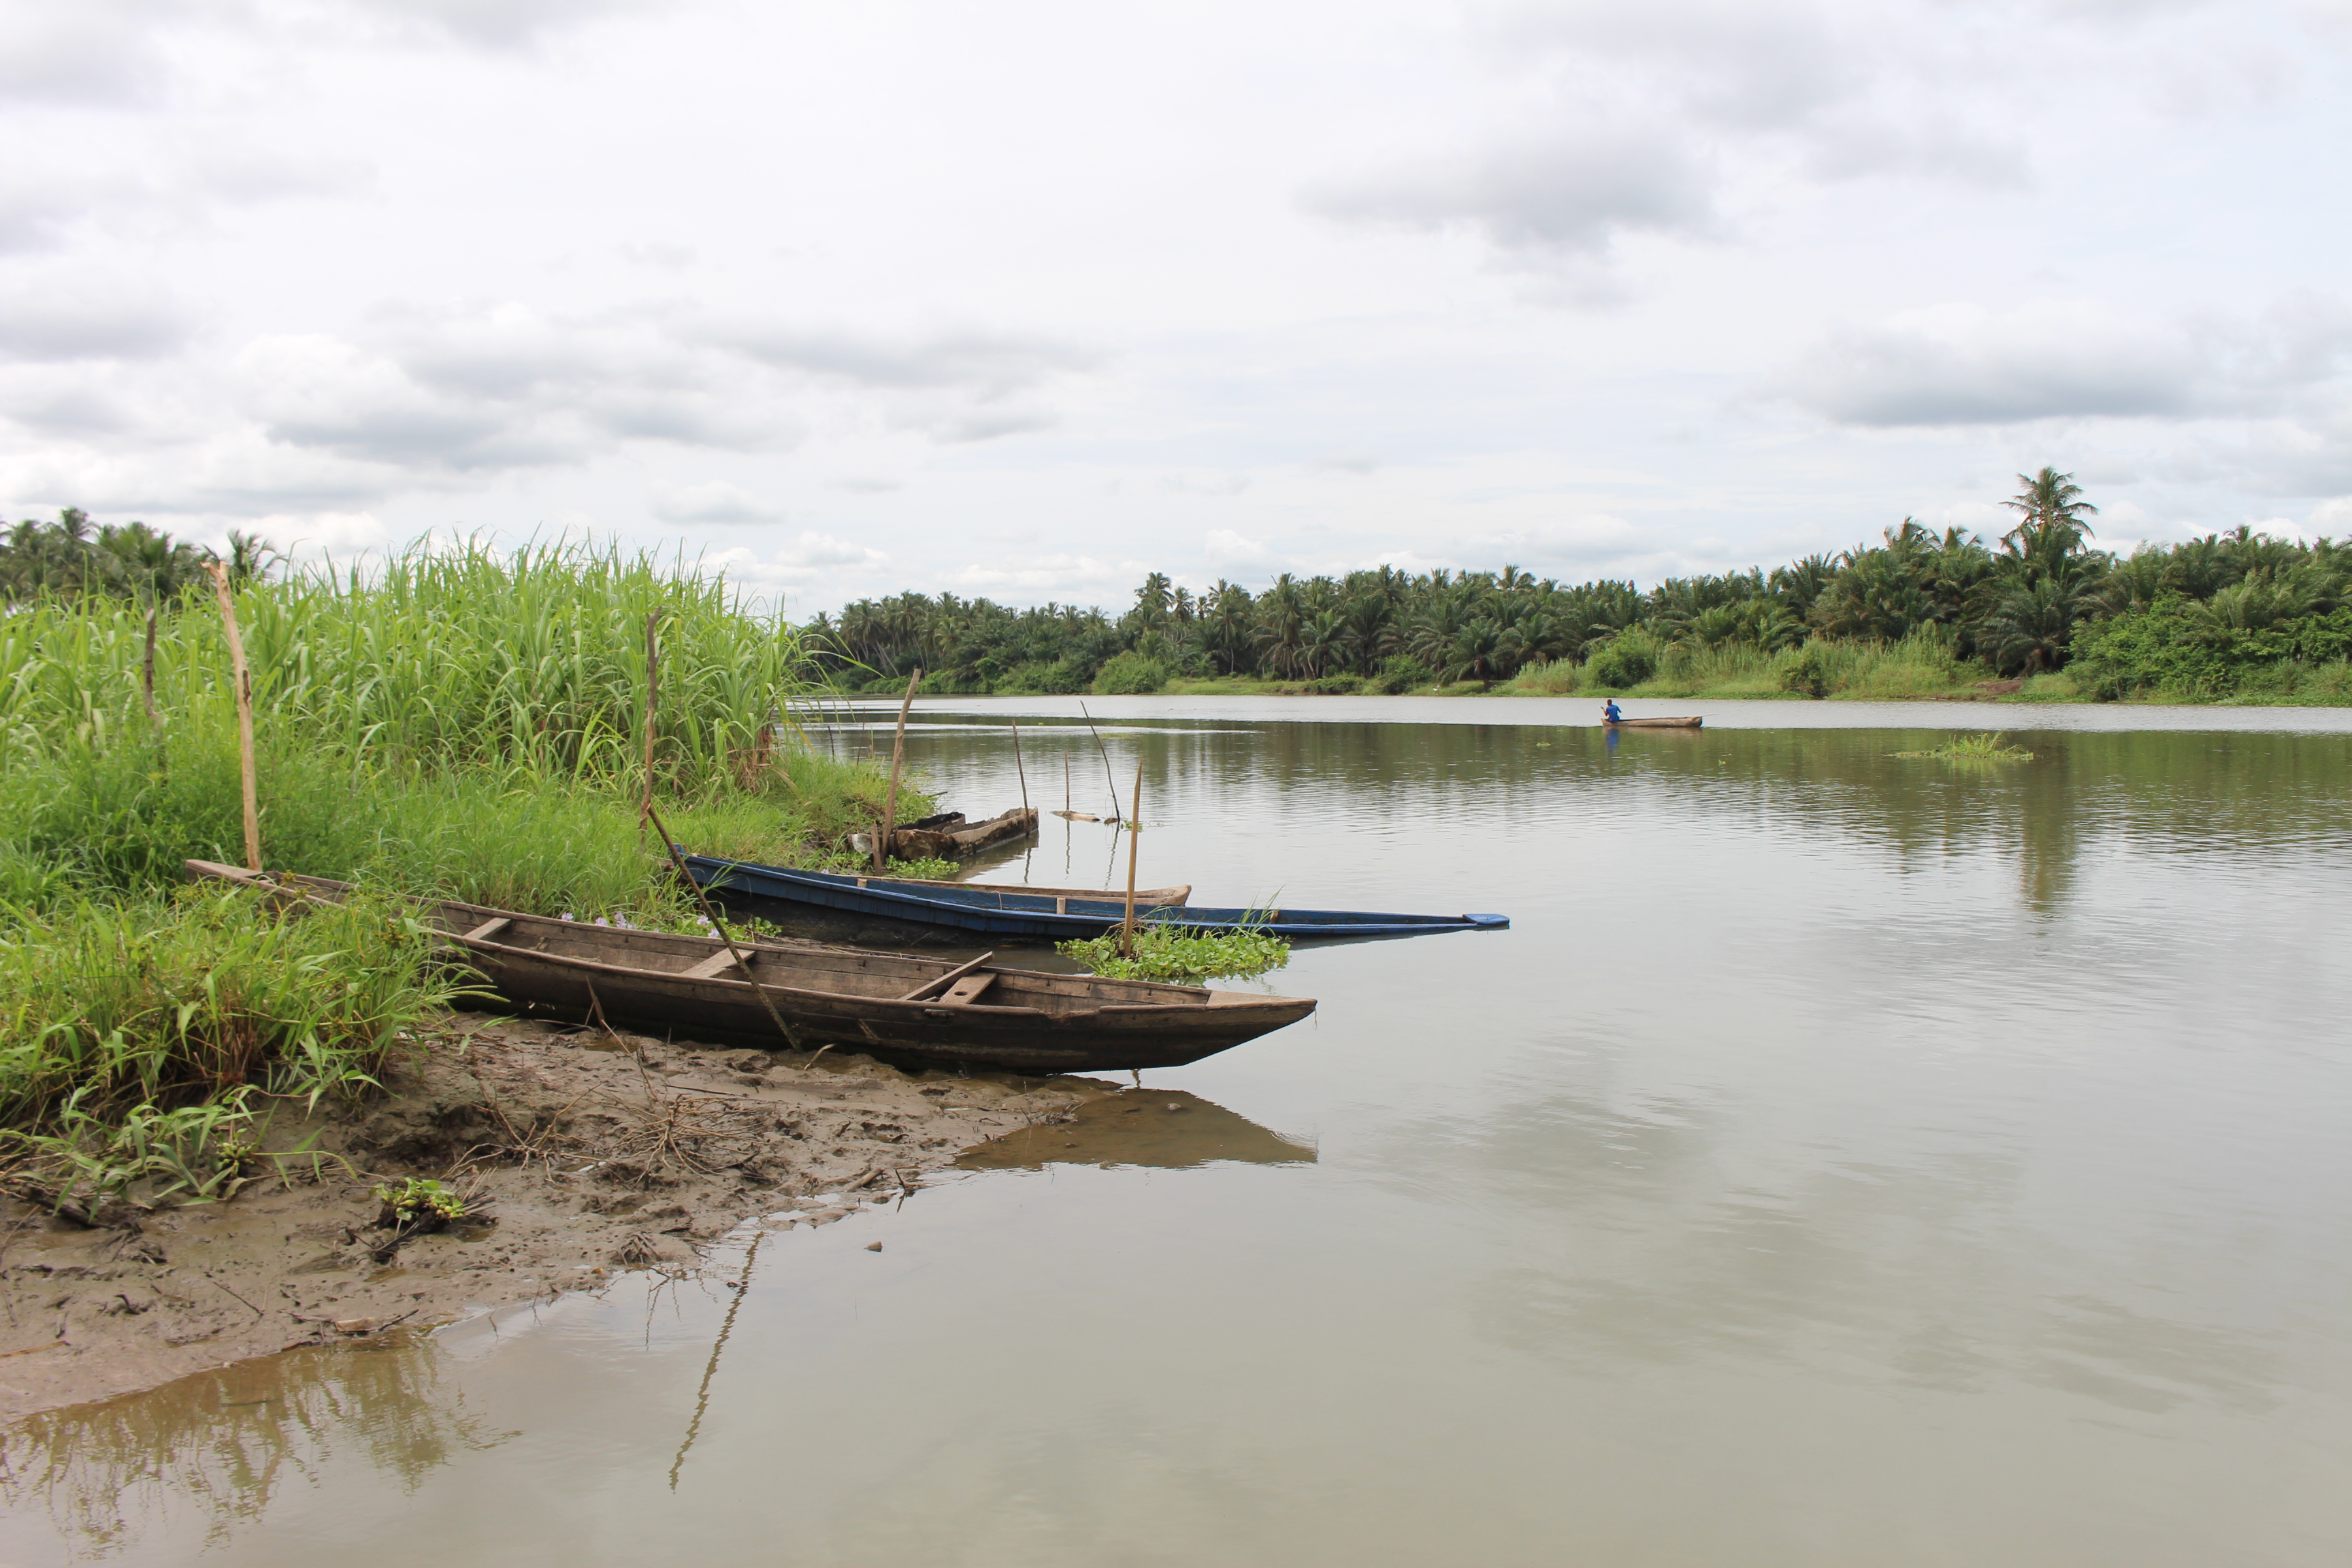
(1130, 674)
(2179, 648)
(1625, 660)
(1399, 674)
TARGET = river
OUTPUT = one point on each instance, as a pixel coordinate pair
(1843, 1159)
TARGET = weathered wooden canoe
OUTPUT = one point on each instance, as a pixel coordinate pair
(1691, 723)
(909, 1005)
(945, 837)
(959, 914)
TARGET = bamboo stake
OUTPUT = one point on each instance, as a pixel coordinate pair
(1112, 777)
(1134, 842)
(719, 926)
(1017, 767)
(243, 714)
(147, 688)
(653, 687)
(897, 759)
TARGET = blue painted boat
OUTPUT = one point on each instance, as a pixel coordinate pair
(880, 911)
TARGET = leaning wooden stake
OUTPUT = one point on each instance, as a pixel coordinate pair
(653, 687)
(897, 761)
(244, 678)
(1134, 832)
(147, 688)
(710, 915)
(1018, 768)
(1107, 775)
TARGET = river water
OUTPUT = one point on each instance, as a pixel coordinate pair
(1843, 1158)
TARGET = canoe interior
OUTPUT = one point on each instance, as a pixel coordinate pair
(999, 895)
(887, 908)
(813, 967)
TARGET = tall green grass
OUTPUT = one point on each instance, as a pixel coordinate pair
(531, 664)
(106, 1007)
(464, 724)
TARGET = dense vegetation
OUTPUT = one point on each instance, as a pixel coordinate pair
(2229, 614)
(461, 722)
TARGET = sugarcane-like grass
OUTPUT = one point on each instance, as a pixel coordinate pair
(464, 724)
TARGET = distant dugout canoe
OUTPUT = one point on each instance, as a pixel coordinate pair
(909, 1005)
(1691, 723)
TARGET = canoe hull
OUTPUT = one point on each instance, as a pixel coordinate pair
(877, 913)
(1652, 724)
(829, 997)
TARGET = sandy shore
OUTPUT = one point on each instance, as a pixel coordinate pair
(589, 1152)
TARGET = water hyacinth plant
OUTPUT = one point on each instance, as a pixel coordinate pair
(1183, 954)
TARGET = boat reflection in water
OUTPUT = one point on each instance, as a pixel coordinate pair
(1159, 1127)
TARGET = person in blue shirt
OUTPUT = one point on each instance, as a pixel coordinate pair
(1608, 714)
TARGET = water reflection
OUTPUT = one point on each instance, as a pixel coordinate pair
(1169, 1128)
(221, 1445)
(2166, 791)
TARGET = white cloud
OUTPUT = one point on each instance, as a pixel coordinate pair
(89, 51)
(64, 313)
(1965, 364)
(715, 500)
(1568, 195)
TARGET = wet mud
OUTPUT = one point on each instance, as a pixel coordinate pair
(579, 1155)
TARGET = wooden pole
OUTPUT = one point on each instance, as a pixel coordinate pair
(1107, 775)
(1017, 767)
(897, 761)
(1134, 834)
(147, 687)
(1066, 784)
(653, 687)
(244, 678)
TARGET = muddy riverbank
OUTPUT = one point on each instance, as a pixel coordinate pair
(585, 1153)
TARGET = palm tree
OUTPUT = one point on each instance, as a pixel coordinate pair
(2031, 625)
(2052, 524)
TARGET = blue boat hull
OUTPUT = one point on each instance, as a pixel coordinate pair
(878, 911)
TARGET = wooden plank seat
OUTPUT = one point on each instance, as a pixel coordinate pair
(489, 930)
(963, 991)
(717, 964)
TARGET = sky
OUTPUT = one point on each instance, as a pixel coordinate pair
(1026, 299)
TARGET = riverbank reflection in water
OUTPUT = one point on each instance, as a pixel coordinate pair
(1842, 1161)
(1172, 1129)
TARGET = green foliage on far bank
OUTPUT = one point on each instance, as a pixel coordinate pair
(1921, 614)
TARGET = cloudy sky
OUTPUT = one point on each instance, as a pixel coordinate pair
(1027, 299)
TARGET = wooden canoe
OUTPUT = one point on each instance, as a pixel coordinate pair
(1691, 723)
(896, 913)
(893, 1003)
(945, 840)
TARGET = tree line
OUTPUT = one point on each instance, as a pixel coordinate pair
(2017, 604)
(70, 559)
